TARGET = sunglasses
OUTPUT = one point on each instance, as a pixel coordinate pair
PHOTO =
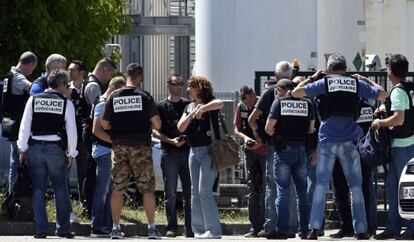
(176, 84)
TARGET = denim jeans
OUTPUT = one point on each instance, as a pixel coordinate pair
(342, 197)
(101, 204)
(399, 158)
(270, 194)
(174, 163)
(49, 161)
(311, 179)
(204, 210)
(14, 163)
(349, 159)
(291, 163)
(256, 182)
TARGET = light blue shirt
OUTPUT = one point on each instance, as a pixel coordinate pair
(97, 149)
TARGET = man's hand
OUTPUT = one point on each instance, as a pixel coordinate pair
(177, 142)
(376, 124)
(69, 160)
(23, 158)
(316, 75)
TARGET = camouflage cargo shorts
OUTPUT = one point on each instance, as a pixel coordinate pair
(135, 160)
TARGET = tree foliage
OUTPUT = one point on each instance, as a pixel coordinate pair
(77, 29)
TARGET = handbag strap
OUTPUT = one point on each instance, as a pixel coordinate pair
(223, 126)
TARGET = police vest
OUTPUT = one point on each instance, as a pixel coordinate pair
(84, 108)
(48, 113)
(245, 129)
(96, 139)
(12, 105)
(341, 97)
(407, 128)
(294, 118)
(130, 118)
(366, 116)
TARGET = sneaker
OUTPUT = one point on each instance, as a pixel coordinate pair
(362, 236)
(209, 235)
(189, 235)
(291, 235)
(405, 236)
(170, 234)
(100, 233)
(341, 233)
(197, 235)
(117, 234)
(40, 235)
(266, 234)
(68, 235)
(321, 232)
(153, 233)
(384, 235)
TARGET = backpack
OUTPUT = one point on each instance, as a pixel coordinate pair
(375, 147)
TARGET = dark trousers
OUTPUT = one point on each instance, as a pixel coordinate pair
(256, 183)
(174, 164)
(342, 199)
(88, 186)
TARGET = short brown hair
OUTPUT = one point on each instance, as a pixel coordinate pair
(245, 91)
(203, 86)
(134, 70)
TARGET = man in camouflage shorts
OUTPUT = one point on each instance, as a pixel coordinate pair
(137, 160)
(130, 114)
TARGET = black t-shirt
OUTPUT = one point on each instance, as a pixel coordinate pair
(198, 131)
(264, 104)
(170, 113)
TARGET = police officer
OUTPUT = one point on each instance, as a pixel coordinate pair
(289, 122)
(54, 61)
(16, 89)
(342, 190)
(174, 155)
(255, 158)
(339, 97)
(92, 88)
(130, 113)
(400, 116)
(47, 156)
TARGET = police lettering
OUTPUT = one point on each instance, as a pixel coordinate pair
(48, 105)
(365, 115)
(342, 84)
(293, 108)
(127, 103)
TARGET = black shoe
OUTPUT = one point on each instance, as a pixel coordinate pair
(384, 235)
(251, 234)
(170, 234)
(100, 233)
(291, 235)
(341, 233)
(313, 234)
(321, 232)
(405, 236)
(266, 234)
(303, 235)
(277, 235)
(189, 235)
(362, 236)
(68, 235)
(40, 235)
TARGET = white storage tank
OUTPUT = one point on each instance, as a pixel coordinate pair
(341, 29)
(234, 38)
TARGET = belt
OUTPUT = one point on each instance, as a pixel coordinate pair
(46, 142)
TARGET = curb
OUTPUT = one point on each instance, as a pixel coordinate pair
(130, 229)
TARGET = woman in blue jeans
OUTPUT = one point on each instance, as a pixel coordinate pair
(196, 121)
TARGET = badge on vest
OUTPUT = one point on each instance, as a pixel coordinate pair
(365, 115)
(293, 108)
(244, 114)
(127, 104)
(48, 105)
(342, 84)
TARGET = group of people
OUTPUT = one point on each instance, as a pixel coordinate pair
(296, 136)
(300, 133)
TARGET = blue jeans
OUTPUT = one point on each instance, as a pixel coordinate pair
(256, 182)
(204, 210)
(270, 194)
(349, 159)
(291, 162)
(101, 204)
(174, 163)
(14, 163)
(49, 161)
(399, 158)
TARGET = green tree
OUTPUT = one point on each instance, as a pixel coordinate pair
(77, 29)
